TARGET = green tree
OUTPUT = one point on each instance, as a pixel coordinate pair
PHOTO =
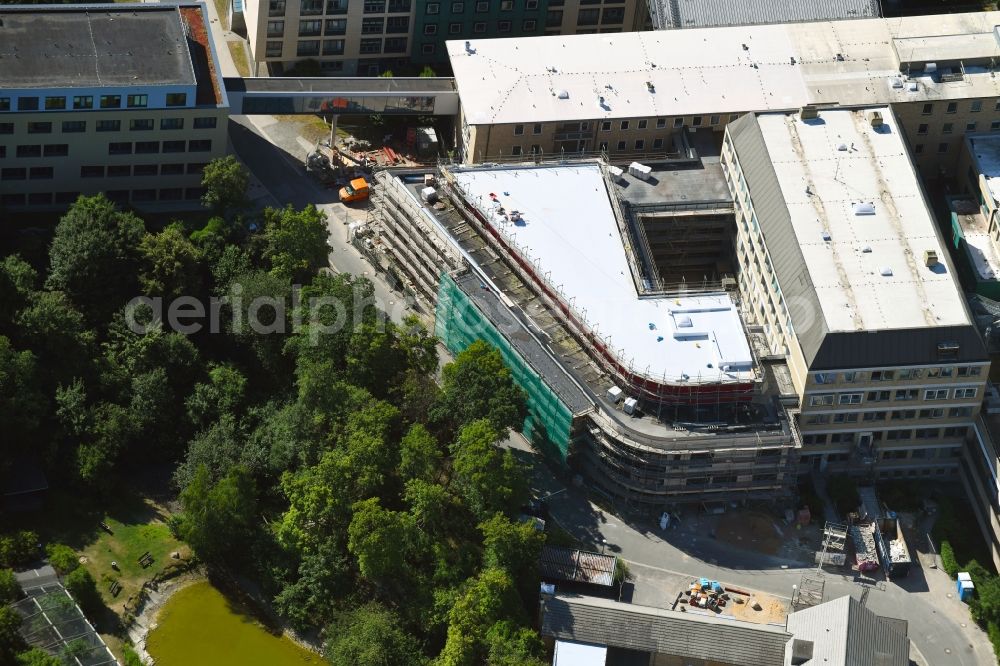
(510, 645)
(483, 602)
(57, 332)
(38, 657)
(222, 394)
(63, 558)
(18, 549)
(131, 656)
(225, 181)
(219, 520)
(427, 72)
(258, 319)
(11, 642)
(431, 505)
(22, 404)
(81, 585)
(217, 450)
(171, 264)
(511, 546)
(379, 538)
(296, 242)
(487, 479)
(10, 590)
(94, 257)
(100, 451)
(324, 576)
(371, 636)
(419, 454)
(477, 385)
(387, 74)
(17, 282)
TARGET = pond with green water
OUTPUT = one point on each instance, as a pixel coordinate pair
(199, 626)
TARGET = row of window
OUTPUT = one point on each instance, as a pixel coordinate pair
(22, 173)
(119, 196)
(136, 125)
(39, 150)
(958, 432)
(975, 106)
(149, 147)
(369, 26)
(527, 25)
(86, 102)
(482, 6)
(313, 47)
(949, 128)
(896, 414)
(126, 170)
(828, 399)
(901, 375)
(319, 7)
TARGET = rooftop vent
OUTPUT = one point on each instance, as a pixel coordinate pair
(808, 112)
(912, 86)
(650, 87)
(875, 118)
(802, 652)
(885, 271)
(562, 94)
(930, 67)
(468, 48)
(826, 235)
(863, 208)
(930, 258)
(896, 82)
(841, 147)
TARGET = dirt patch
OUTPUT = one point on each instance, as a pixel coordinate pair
(752, 530)
(772, 610)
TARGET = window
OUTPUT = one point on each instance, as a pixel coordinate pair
(55, 103)
(952, 107)
(171, 123)
(942, 147)
(371, 45)
(176, 99)
(27, 104)
(173, 146)
(307, 48)
(969, 371)
(918, 148)
(457, 7)
(529, 25)
(947, 128)
(970, 127)
(140, 125)
(119, 171)
(310, 7)
(850, 377)
(613, 16)
(432, 8)
(696, 121)
(311, 28)
(977, 105)
(503, 26)
(936, 394)
(137, 101)
(657, 144)
(171, 194)
(144, 195)
(479, 27)
(553, 18)
(959, 412)
(206, 122)
(714, 120)
(333, 47)
(92, 172)
(821, 400)
(336, 26)
(196, 167)
(927, 110)
(147, 147)
(661, 123)
(873, 416)
(995, 125)
(395, 45)
(922, 128)
(372, 26)
(200, 145)
(275, 28)
(907, 394)
(878, 396)
(375, 6)
(145, 170)
(430, 29)
(845, 417)
(120, 148)
(965, 393)
(39, 128)
(817, 419)
(336, 6)
(531, 4)
(30, 150)
(536, 149)
(824, 378)
(83, 102)
(621, 145)
(904, 414)
(536, 128)
(273, 49)
(642, 124)
(606, 126)
(194, 193)
(849, 399)
(518, 130)
(276, 8)
(39, 198)
(482, 7)
(428, 49)
(4, 103)
(506, 5)
(588, 16)
(883, 375)
(624, 125)
(936, 413)
(454, 28)
(603, 145)
(13, 173)
(397, 24)
(171, 169)
(516, 150)
(74, 126)
(56, 149)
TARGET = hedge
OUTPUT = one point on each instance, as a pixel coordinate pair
(948, 562)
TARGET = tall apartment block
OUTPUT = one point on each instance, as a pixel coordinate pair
(121, 99)
(368, 37)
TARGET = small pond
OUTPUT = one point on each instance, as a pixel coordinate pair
(198, 625)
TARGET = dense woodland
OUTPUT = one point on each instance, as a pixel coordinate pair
(361, 489)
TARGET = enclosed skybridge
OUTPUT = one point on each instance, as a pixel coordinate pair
(337, 96)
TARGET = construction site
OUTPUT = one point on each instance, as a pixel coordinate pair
(651, 390)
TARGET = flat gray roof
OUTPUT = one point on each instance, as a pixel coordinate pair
(73, 47)
(341, 86)
(709, 13)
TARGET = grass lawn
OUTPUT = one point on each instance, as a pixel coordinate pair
(311, 128)
(222, 7)
(239, 57)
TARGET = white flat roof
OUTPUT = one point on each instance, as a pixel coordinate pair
(569, 228)
(821, 186)
(715, 70)
(569, 653)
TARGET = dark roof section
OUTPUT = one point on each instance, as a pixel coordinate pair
(75, 47)
(691, 635)
(209, 90)
(844, 628)
(822, 349)
(378, 84)
(578, 566)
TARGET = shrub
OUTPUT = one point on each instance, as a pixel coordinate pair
(18, 549)
(62, 558)
(993, 631)
(948, 562)
(131, 657)
(83, 588)
(9, 588)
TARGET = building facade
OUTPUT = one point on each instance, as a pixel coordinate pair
(139, 129)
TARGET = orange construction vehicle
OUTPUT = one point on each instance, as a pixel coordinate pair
(356, 190)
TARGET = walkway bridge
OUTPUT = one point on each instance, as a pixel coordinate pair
(336, 96)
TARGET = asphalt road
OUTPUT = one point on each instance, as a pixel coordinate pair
(940, 628)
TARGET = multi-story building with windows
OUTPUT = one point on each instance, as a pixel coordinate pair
(368, 37)
(119, 99)
(632, 93)
(842, 267)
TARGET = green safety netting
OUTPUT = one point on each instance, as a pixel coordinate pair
(459, 322)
